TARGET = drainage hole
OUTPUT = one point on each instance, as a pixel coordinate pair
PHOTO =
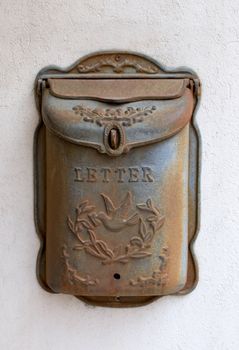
(116, 276)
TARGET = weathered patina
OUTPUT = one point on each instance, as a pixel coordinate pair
(116, 179)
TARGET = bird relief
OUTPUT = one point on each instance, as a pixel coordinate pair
(115, 219)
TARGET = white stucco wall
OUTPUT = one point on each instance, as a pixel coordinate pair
(203, 35)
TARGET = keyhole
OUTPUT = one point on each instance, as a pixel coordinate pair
(114, 138)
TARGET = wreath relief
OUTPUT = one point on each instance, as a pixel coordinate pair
(88, 221)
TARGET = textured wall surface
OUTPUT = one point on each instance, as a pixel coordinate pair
(203, 35)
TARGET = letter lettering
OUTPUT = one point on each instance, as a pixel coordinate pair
(106, 172)
(92, 175)
(78, 177)
(147, 175)
(134, 174)
(120, 171)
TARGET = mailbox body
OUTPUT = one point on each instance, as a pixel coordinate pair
(116, 179)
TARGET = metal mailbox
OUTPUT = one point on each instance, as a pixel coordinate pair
(116, 179)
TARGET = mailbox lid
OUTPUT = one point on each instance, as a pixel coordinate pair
(148, 116)
(118, 90)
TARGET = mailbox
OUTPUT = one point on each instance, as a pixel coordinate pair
(116, 179)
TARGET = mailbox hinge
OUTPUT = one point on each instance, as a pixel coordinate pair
(195, 86)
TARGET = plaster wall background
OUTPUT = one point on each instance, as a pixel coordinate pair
(203, 35)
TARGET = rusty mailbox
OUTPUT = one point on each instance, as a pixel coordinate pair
(116, 179)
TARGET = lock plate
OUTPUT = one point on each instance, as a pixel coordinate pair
(116, 179)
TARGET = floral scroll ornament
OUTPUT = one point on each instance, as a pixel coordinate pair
(115, 219)
(125, 116)
(158, 278)
(73, 274)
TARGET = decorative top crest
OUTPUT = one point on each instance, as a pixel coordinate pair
(117, 63)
